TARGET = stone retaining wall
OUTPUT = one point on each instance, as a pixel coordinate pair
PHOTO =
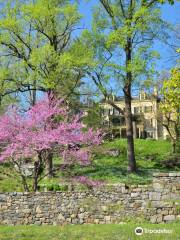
(163, 203)
(158, 202)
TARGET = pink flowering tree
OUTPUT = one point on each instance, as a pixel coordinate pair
(44, 128)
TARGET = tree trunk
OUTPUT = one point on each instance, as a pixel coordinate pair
(128, 113)
(25, 185)
(49, 165)
(49, 154)
(37, 169)
(129, 131)
(34, 97)
(33, 94)
(174, 139)
(174, 146)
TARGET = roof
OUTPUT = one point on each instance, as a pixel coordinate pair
(121, 98)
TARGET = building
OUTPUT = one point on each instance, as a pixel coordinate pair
(146, 117)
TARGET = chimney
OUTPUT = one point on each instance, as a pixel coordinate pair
(155, 91)
(142, 95)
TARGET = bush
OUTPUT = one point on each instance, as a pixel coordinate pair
(55, 187)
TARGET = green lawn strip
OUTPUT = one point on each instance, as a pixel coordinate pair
(89, 232)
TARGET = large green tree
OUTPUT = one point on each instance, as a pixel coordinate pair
(37, 41)
(36, 37)
(122, 35)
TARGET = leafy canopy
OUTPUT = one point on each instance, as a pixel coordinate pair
(36, 38)
(117, 24)
(171, 93)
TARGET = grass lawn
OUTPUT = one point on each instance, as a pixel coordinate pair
(149, 157)
(89, 232)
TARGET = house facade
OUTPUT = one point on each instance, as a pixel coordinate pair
(146, 119)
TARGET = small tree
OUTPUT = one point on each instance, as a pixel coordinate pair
(42, 129)
(36, 40)
(170, 106)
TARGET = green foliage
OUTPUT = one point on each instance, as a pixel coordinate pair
(36, 38)
(9, 179)
(93, 117)
(164, 1)
(170, 107)
(141, 23)
(171, 93)
(54, 187)
(177, 210)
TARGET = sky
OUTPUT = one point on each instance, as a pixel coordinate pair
(169, 13)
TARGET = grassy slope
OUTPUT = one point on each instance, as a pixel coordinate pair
(149, 155)
(87, 232)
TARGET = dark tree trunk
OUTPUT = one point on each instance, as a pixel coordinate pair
(174, 147)
(174, 139)
(49, 154)
(37, 170)
(34, 97)
(25, 185)
(128, 113)
(129, 131)
(49, 165)
(33, 94)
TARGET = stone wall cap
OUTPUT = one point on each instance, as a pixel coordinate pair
(175, 174)
(110, 185)
(171, 174)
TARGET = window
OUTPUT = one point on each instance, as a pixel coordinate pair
(136, 110)
(111, 110)
(116, 112)
(147, 109)
(102, 112)
(150, 134)
(106, 112)
(149, 122)
(116, 122)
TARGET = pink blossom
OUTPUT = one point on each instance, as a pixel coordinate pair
(38, 130)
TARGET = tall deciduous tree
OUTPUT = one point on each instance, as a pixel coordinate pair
(36, 37)
(122, 34)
